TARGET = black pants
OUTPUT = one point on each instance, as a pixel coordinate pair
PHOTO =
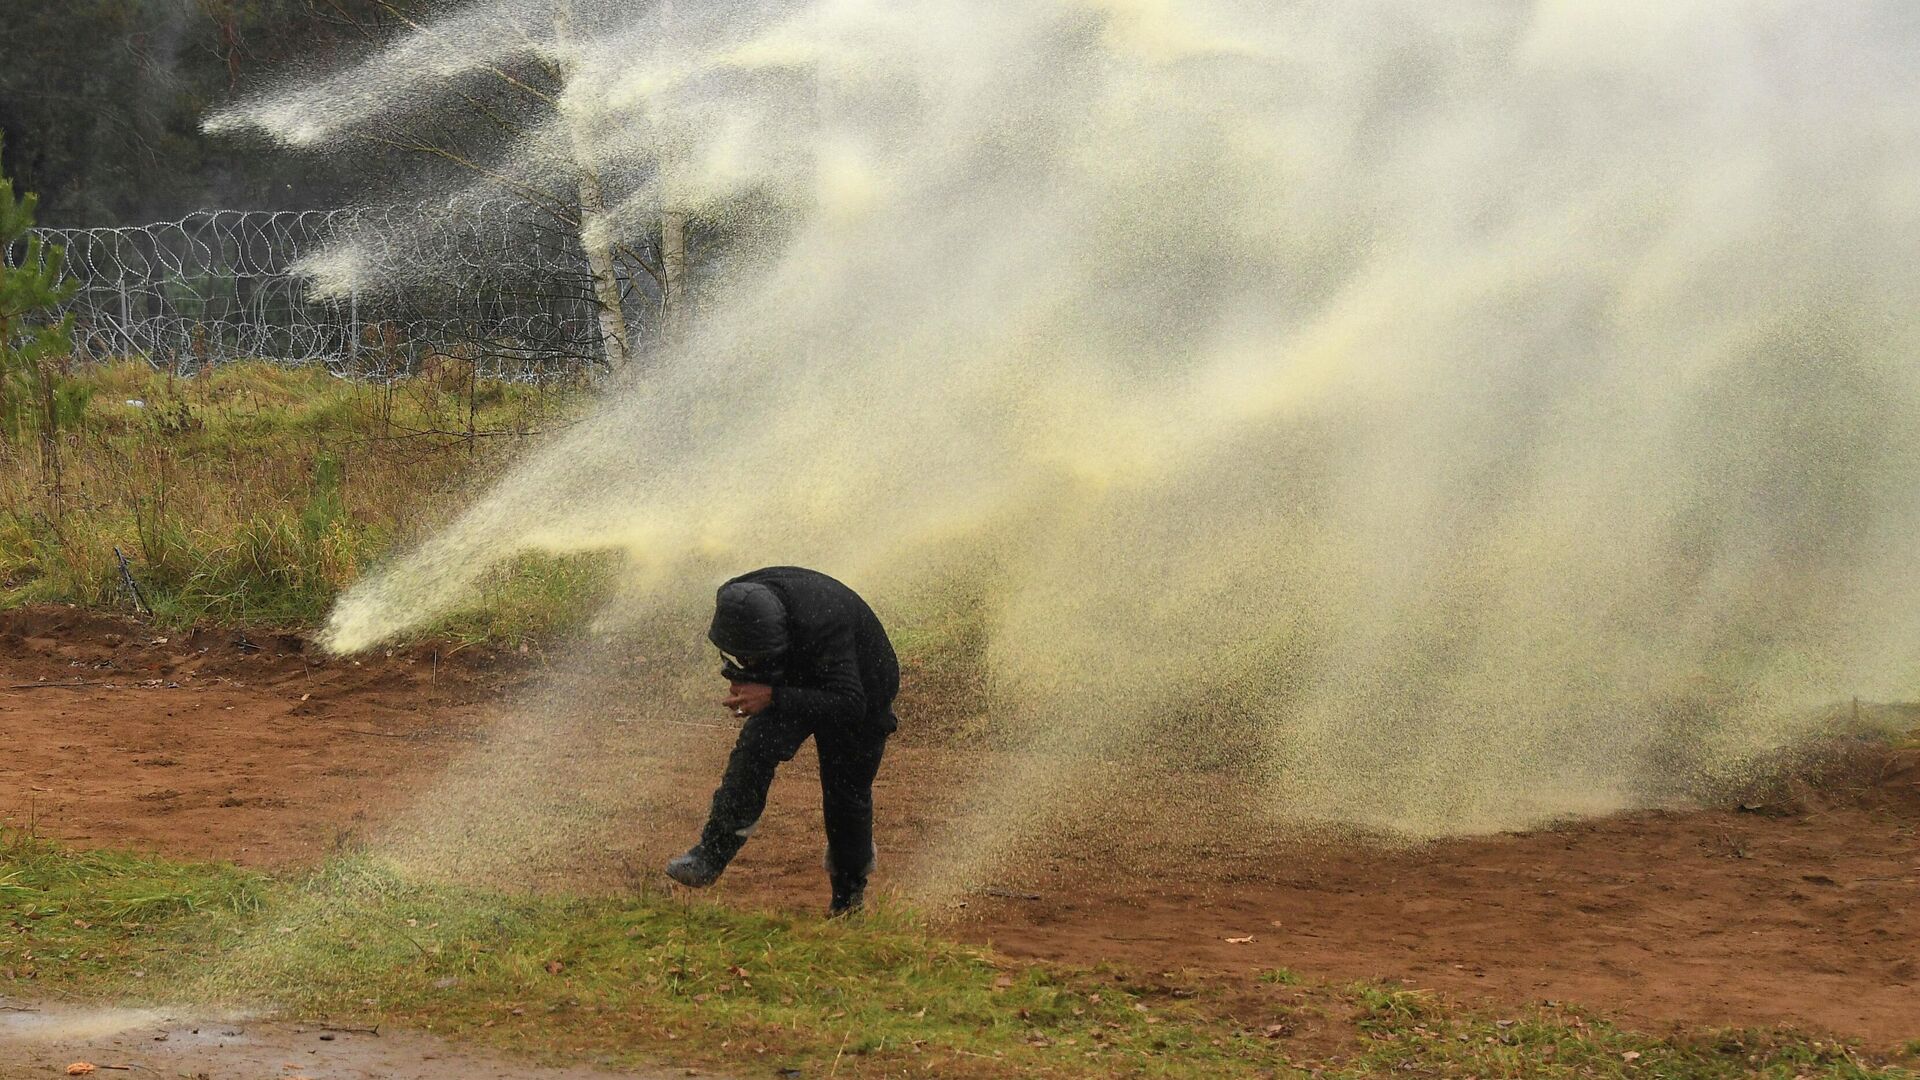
(849, 760)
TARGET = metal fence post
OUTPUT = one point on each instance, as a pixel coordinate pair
(126, 315)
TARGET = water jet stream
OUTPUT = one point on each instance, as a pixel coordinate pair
(1449, 416)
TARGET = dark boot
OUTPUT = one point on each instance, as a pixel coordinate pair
(848, 900)
(849, 888)
(696, 869)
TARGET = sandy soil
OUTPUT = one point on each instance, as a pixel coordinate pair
(212, 744)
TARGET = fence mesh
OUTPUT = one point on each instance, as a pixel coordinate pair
(489, 281)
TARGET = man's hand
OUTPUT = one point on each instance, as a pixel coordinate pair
(749, 699)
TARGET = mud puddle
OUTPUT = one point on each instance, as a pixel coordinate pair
(41, 1039)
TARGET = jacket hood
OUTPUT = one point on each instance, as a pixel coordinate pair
(749, 621)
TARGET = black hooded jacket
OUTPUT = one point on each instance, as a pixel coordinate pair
(838, 667)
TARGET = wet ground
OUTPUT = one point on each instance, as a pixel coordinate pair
(44, 1039)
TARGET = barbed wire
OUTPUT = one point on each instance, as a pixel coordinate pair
(486, 280)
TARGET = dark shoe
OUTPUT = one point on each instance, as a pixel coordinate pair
(848, 903)
(695, 869)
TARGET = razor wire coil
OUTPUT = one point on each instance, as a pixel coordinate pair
(485, 280)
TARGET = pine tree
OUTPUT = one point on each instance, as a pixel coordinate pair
(32, 341)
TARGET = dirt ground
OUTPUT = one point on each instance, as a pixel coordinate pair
(211, 744)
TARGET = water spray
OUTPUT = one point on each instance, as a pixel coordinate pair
(1468, 414)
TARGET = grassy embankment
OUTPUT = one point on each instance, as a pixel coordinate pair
(635, 979)
(252, 494)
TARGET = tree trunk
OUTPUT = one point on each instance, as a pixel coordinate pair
(614, 344)
(673, 269)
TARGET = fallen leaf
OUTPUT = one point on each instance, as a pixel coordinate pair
(1239, 940)
(554, 967)
(1003, 982)
(1630, 1056)
(81, 1068)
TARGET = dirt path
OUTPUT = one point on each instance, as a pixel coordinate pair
(41, 1040)
(255, 752)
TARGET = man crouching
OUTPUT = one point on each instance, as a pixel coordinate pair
(805, 656)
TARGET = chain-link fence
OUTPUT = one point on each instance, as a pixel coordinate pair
(489, 281)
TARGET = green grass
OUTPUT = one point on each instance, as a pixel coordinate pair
(1409, 1032)
(252, 494)
(628, 980)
